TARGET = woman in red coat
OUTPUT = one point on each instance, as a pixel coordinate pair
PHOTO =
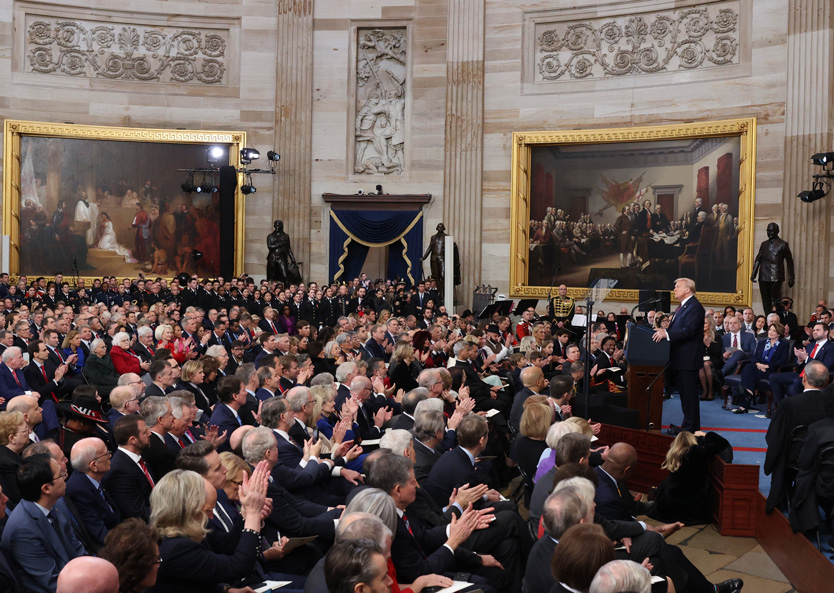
(124, 359)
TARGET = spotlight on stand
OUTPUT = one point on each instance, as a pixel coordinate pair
(247, 155)
(823, 159)
(214, 154)
(189, 187)
(248, 189)
(818, 192)
(273, 156)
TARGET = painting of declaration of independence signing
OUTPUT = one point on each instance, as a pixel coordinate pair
(115, 208)
(643, 213)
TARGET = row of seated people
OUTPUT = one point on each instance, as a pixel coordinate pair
(310, 420)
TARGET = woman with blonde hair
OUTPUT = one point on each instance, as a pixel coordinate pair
(401, 359)
(685, 493)
(72, 345)
(164, 335)
(712, 359)
(528, 445)
(180, 503)
(192, 378)
(235, 469)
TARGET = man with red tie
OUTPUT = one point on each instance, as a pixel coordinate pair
(129, 481)
(12, 381)
(268, 324)
(819, 348)
(44, 379)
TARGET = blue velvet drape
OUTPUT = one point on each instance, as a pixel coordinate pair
(402, 232)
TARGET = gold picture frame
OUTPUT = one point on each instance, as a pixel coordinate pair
(584, 183)
(17, 132)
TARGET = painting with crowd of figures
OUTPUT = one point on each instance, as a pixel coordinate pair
(93, 207)
(643, 212)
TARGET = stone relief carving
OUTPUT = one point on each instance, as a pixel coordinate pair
(381, 70)
(91, 49)
(705, 36)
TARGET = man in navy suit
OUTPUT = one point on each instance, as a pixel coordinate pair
(124, 399)
(820, 348)
(129, 480)
(12, 381)
(231, 393)
(686, 354)
(91, 461)
(40, 538)
(743, 343)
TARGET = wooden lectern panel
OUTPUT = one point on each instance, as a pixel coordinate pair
(639, 378)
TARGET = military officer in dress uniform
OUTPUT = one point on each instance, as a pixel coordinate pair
(560, 309)
(342, 301)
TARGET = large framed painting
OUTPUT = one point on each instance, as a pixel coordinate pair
(642, 206)
(91, 201)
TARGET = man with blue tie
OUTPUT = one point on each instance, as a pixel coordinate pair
(91, 461)
(686, 352)
(39, 538)
(231, 393)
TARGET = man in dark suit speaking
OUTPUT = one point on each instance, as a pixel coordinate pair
(686, 351)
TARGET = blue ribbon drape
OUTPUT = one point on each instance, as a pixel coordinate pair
(354, 232)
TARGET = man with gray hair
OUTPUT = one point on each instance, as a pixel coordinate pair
(91, 461)
(371, 421)
(345, 373)
(12, 381)
(32, 414)
(431, 380)
(622, 575)
(157, 413)
(143, 346)
(292, 516)
(124, 401)
(177, 439)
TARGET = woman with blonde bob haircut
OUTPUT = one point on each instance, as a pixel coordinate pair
(180, 503)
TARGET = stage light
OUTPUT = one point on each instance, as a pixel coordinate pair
(823, 158)
(248, 189)
(247, 155)
(818, 192)
(273, 156)
(206, 188)
(188, 187)
(214, 154)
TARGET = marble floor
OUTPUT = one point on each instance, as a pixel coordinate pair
(721, 558)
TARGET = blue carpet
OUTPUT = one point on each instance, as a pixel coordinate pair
(746, 432)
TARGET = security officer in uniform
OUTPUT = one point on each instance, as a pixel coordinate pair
(560, 309)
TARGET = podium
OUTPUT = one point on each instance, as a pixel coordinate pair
(646, 361)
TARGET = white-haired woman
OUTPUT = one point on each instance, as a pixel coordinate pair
(125, 360)
(99, 369)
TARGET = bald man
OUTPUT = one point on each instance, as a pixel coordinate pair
(534, 384)
(88, 574)
(613, 499)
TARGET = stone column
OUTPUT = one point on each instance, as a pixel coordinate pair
(293, 124)
(463, 158)
(808, 130)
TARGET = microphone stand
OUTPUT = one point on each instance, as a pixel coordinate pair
(653, 301)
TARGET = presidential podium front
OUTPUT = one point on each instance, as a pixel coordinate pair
(646, 360)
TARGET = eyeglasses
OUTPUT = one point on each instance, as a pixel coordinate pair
(61, 476)
(159, 561)
(108, 455)
(236, 482)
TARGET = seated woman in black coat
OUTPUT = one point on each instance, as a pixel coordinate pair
(401, 374)
(770, 355)
(529, 444)
(179, 505)
(684, 494)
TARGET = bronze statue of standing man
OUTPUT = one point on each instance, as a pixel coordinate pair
(437, 250)
(280, 263)
(770, 266)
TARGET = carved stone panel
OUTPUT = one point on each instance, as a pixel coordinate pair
(111, 50)
(381, 84)
(703, 35)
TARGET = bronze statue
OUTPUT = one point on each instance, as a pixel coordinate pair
(769, 264)
(280, 263)
(437, 250)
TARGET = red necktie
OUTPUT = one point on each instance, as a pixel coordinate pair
(14, 374)
(735, 341)
(189, 435)
(58, 352)
(146, 472)
(272, 325)
(810, 356)
(182, 445)
(45, 378)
